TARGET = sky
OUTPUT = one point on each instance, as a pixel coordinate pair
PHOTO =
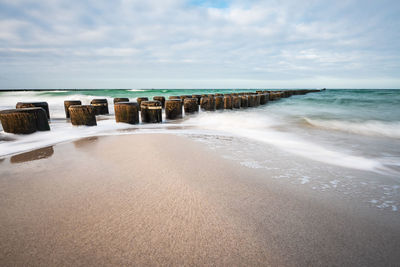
(199, 44)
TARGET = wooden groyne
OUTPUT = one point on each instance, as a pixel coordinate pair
(33, 116)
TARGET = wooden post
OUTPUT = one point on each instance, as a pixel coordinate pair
(24, 120)
(43, 105)
(83, 115)
(151, 111)
(173, 109)
(127, 112)
(68, 103)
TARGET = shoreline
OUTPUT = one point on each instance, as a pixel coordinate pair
(165, 199)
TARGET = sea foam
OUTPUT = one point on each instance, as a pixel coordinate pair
(370, 128)
(266, 129)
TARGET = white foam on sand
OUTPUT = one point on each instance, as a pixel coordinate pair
(304, 180)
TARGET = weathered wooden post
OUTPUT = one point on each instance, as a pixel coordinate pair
(236, 101)
(174, 97)
(198, 98)
(83, 115)
(252, 100)
(68, 103)
(190, 105)
(43, 105)
(228, 102)
(127, 112)
(121, 99)
(24, 120)
(173, 109)
(257, 100)
(271, 96)
(151, 111)
(161, 99)
(139, 101)
(219, 102)
(274, 96)
(100, 105)
(244, 103)
(207, 103)
(263, 98)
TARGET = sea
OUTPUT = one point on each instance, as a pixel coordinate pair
(345, 141)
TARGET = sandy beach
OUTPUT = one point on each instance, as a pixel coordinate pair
(158, 199)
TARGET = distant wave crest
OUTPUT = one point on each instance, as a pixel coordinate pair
(370, 128)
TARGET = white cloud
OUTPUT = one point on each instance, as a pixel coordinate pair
(253, 42)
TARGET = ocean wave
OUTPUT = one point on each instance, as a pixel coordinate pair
(369, 128)
(265, 129)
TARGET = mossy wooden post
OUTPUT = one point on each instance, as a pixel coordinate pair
(83, 115)
(207, 103)
(236, 101)
(43, 105)
(151, 111)
(244, 101)
(24, 120)
(219, 102)
(173, 109)
(127, 112)
(198, 97)
(139, 100)
(100, 105)
(120, 99)
(190, 105)
(68, 103)
(161, 99)
(228, 102)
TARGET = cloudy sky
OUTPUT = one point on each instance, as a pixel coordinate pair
(199, 44)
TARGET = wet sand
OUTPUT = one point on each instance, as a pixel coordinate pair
(166, 200)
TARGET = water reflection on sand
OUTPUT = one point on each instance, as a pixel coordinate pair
(37, 154)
